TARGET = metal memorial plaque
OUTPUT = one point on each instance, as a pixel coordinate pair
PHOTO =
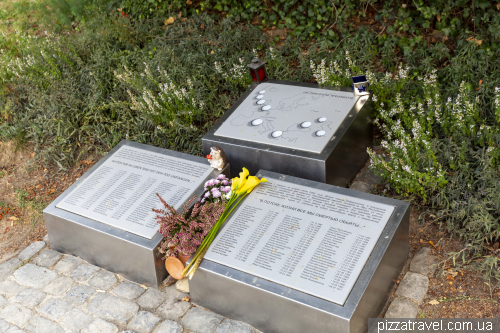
(122, 191)
(307, 239)
(296, 117)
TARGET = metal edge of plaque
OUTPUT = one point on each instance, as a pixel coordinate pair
(329, 147)
(280, 309)
(65, 228)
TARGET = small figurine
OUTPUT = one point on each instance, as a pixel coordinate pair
(217, 158)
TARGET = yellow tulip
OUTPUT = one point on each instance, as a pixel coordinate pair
(250, 185)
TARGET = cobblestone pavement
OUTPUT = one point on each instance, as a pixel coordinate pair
(44, 291)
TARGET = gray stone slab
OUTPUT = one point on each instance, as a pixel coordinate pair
(152, 299)
(103, 280)
(100, 326)
(46, 238)
(68, 264)
(114, 309)
(33, 276)
(173, 308)
(413, 286)
(361, 186)
(16, 314)
(3, 325)
(128, 290)
(79, 294)
(76, 320)
(169, 326)
(143, 322)
(30, 297)
(47, 258)
(15, 329)
(424, 262)
(8, 267)
(233, 326)
(41, 325)
(31, 250)
(201, 321)
(59, 286)
(3, 301)
(402, 308)
(84, 272)
(10, 288)
(54, 308)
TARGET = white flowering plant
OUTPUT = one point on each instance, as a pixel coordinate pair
(155, 95)
(238, 74)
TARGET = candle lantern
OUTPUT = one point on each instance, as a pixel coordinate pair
(258, 70)
(360, 85)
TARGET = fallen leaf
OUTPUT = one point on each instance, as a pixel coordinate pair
(438, 17)
(212, 52)
(496, 245)
(143, 286)
(498, 6)
(13, 218)
(202, 26)
(434, 302)
(168, 21)
(480, 82)
(477, 41)
(32, 154)
(180, 14)
(450, 277)
(432, 243)
(186, 298)
(189, 2)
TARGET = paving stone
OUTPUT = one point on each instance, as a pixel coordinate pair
(8, 267)
(413, 286)
(15, 329)
(46, 238)
(33, 276)
(103, 280)
(100, 326)
(30, 297)
(84, 272)
(233, 326)
(3, 301)
(128, 331)
(3, 325)
(143, 322)
(31, 250)
(173, 308)
(424, 262)
(152, 299)
(47, 258)
(76, 320)
(10, 288)
(41, 325)
(79, 294)
(402, 308)
(111, 308)
(68, 264)
(59, 286)
(54, 308)
(16, 314)
(361, 186)
(169, 326)
(128, 290)
(201, 321)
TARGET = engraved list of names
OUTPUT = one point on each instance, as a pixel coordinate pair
(122, 191)
(306, 239)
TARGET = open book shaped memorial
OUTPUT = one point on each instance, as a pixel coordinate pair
(299, 129)
(106, 216)
(301, 256)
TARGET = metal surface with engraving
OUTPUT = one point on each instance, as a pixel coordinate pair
(299, 129)
(134, 257)
(279, 307)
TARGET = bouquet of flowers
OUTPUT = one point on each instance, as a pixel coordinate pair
(217, 190)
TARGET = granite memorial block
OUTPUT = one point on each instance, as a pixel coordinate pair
(106, 216)
(302, 256)
(298, 129)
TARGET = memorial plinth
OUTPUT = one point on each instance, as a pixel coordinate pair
(106, 216)
(298, 129)
(301, 256)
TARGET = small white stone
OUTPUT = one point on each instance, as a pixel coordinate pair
(320, 133)
(322, 119)
(262, 101)
(256, 122)
(182, 285)
(276, 134)
(260, 96)
(262, 92)
(306, 124)
(266, 107)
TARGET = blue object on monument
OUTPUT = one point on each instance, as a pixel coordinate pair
(362, 88)
(360, 78)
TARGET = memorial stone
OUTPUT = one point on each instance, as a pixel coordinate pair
(106, 217)
(298, 129)
(301, 256)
